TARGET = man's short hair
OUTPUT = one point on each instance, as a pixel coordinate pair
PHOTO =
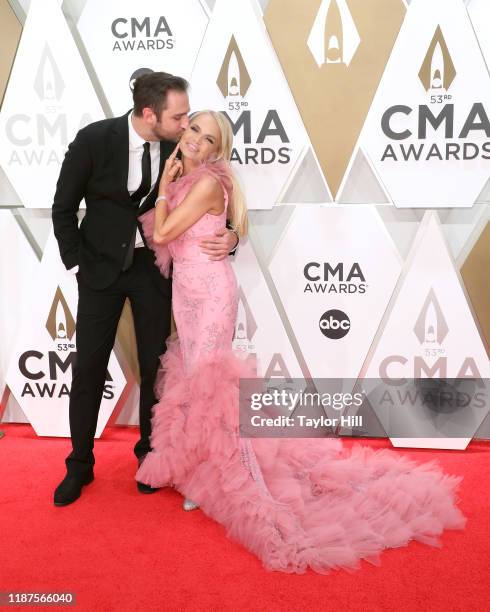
(150, 90)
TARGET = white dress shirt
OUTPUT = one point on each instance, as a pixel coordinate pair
(134, 167)
(134, 170)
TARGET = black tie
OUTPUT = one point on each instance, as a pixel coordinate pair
(136, 198)
(144, 188)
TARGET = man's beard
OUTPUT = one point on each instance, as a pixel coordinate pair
(161, 134)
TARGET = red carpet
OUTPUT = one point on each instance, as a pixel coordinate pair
(120, 550)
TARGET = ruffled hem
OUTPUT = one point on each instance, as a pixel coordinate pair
(294, 503)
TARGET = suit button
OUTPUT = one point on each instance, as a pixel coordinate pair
(124, 245)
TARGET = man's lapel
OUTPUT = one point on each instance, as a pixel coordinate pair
(120, 152)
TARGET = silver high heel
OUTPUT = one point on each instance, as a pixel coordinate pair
(189, 505)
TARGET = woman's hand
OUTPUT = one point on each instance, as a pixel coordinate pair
(171, 171)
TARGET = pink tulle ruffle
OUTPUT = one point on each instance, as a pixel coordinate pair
(163, 259)
(312, 504)
(220, 170)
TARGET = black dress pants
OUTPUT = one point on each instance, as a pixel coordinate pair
(98, 316)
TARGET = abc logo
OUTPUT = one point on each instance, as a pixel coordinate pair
(334, 324)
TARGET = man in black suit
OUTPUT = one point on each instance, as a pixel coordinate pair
(116, 164)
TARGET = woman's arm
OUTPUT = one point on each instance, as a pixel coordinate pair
(204, 196)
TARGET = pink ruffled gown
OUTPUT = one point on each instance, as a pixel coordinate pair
(294, 503)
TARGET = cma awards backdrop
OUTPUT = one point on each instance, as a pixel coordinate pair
(362, 141)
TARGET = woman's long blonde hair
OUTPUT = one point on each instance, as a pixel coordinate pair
(237, 207)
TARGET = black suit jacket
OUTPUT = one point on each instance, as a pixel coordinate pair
(96, 168)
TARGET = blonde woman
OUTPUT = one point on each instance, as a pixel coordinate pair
(294, 503)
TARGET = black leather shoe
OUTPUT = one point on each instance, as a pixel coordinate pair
(142, 487)
(70, 489)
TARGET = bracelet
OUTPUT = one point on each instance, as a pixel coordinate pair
(232, 229)
(162, 197)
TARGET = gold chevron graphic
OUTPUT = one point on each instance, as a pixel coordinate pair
(431, 326)
(10, 31)
(475, 276)
(233, 78)
(60, 323)
(334, 99)
(437, 70)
